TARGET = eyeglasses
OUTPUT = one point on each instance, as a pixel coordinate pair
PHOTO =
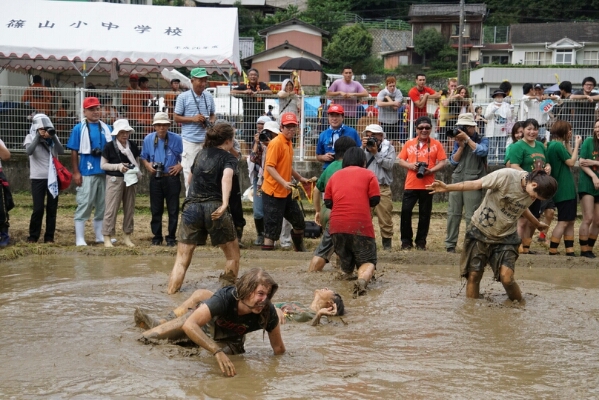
(424, 128)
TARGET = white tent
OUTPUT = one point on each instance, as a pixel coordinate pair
(116, 38)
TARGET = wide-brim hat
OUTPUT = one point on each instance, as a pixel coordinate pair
(271, 126)
(466, 119)
(199, 73)
(161, 118)
(263, 119)
(121, 125)
(498, 92)
(374, 128)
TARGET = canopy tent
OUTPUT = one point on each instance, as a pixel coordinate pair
(116, 38)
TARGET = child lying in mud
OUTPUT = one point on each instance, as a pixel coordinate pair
(492, 237)
(219, 321)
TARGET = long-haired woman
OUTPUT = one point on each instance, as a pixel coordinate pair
(588, 192)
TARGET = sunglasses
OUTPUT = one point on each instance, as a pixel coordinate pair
(424, 128)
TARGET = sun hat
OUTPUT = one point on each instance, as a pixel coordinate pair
(335, 109)
(161, 118)
(466, 119)
(288, 118)
(271, 126)
(121, 125)
(90, 102)
(374, 128)
(263, 119)
(498, 92)
(199, 73)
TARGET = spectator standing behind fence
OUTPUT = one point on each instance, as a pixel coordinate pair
(389, 100)
(585, 107)
(120, 161)
(422, 157)
(448, 108)
(170, 98)
(86, 142)
(136, 98)
(530, 106)
(498, 114)
(562, 157)
(325, 149)
(161, 155)
(288, 100)
(469, 159)
(380, 159)
(41, 145)
(346, 93)
(526, 155)
(420, 95)
(481, 122)
(38, 97)
(253, 101)
(565, 109)
(588, 191)
(5, 198)
(195, 111)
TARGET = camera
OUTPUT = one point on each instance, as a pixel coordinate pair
(421, 169)
(455, 131)
(372, 142)
(159, 167)
(263, 137)
(96, 151)
(50, 130)
(129, 166)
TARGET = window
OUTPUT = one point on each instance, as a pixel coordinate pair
(436, 27)
(537, 58)
(278, 76)
(591, 58)
(496, 60)
(455, 30)
(564, 57)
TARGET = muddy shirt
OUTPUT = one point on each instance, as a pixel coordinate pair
(296, 311)
(207, 170)
(227, 323)
(503, 204)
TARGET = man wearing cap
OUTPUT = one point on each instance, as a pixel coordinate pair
(195, 111)
(497, 114)
(380, 158)
(162, 151)
(530, 106)
(419, 155)
(325, 149)
(253, 102)
(469, 159)
(86, 143)
(420, 95)
(347, 93)
(276, 188)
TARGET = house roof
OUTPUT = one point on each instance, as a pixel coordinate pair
(424, 10)
(289, 22)
(284, 46)
(554, 31)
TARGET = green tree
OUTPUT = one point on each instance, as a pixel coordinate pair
(350, 45)
(328, 15)
(429, 43)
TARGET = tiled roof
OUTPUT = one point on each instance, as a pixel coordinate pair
(293, 21)
(554, 31)
(423, 10)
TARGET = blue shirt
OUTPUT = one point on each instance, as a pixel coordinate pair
(190, 104)
(154, 151)
(88, 164)
(482, 149)
(326, 140)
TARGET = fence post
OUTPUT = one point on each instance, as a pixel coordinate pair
(411, 124)
(81, 98)
(302, 127)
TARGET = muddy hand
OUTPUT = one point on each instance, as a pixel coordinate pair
(329, 311)
(226, 366)
(218, 213)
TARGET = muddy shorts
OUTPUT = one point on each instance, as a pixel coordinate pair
(325, 248)
(277, 208)
(479, 251)
(354, 250)
(197, 224)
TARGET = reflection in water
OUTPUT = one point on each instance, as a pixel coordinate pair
(68, 331)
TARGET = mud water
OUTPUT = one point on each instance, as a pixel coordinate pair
(67, 331)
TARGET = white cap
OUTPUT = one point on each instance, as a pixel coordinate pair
(272, 126)
(374, 128)
(121, 125)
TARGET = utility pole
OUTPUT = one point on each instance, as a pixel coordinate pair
(460, 40)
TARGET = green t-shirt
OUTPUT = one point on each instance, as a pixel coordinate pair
(506, 159)
(557, 154)
(321, 184)
(296, 311)
(585, 183)
(524, 155)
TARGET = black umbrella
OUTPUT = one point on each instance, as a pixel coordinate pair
(301, 64)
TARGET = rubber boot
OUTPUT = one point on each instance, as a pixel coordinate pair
(298, 241)
(239, 230)
(80, 233)
(107, 242)
(386, 243)
(98, 231)
(259, 231)
(127, 241)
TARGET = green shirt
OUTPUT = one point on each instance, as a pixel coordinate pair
(506, 159)
(585, 183)
(524, 155)
(296, 311)
(557, 154)
(321, 184)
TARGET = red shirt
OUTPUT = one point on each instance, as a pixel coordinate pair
(415, 96)
(351, 189)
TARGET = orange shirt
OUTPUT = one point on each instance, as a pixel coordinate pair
(137, 104)
(38, 97)
(279, 155)
(429, 153)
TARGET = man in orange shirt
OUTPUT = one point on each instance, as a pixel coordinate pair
(276, 188)
(38, 97)
(135, 98)
(422, 157)
(171, 97)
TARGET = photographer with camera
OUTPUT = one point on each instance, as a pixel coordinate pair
(41, 144)
(195, 111)
(120, 161)
(161, 155)
(86, 142)
(380, 158)
(469, 158)
(422, 157)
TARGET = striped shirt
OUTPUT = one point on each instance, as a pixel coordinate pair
(188, 105)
